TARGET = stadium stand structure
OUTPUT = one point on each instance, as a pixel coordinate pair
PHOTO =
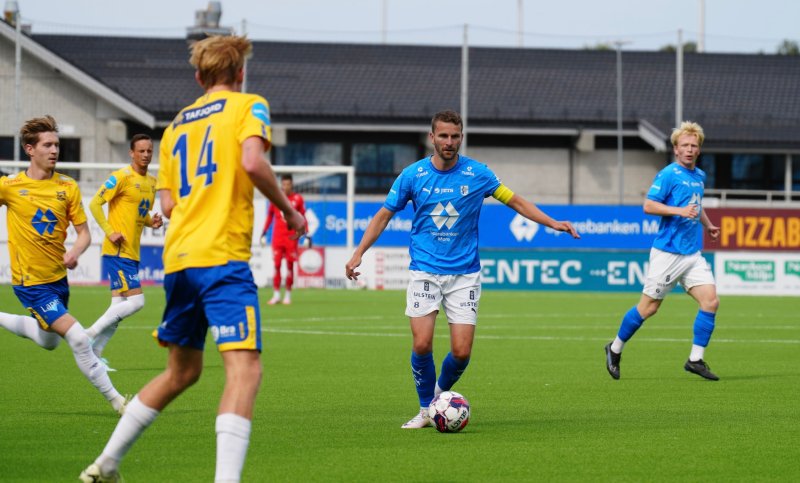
(746, 100)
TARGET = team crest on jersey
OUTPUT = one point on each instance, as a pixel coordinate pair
(61, 195)
(111, 182)
(144, 207)
(464, 190)
(44, 221)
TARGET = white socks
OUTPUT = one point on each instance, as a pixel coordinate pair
(233, 438)
(90, 365)
(94, 330)
(136, 419)
(697, 353)
(29, 328)
(105, 327)
(617, 345)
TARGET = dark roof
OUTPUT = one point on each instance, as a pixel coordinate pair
(742, 100)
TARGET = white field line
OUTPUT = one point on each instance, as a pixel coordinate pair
(401, 329)
(530, 316)
(483, 327)
(520, 337)
(405, 333)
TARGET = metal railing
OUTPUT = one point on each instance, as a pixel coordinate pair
(739, 197)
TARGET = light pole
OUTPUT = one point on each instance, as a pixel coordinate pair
(384, 20)
(620, 164)
(464, 86)
(679, 80)
(701, 30)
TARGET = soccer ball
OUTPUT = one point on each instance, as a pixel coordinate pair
(449, 412)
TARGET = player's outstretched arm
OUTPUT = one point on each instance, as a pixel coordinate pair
(260, 172)
(371, 234)
(713, 230)
(652, 207)
(80, 246)
(533, 213)
(96, 209)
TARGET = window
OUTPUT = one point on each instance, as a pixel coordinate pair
(69, 150)
(796, 173)
(744, 171)
(378, 157)
(313, 154)
(7, 153)
(708, 163)
(377, 165)
(309, 154)
(7, 149)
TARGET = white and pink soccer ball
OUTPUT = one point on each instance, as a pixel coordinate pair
(449, 412)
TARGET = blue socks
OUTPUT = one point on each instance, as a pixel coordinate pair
(630, 324)
(452, 369)
(703, 327)
(424, 371)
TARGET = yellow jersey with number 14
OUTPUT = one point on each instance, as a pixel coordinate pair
(39, 213)
(201, 165)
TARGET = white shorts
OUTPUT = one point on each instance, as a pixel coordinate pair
(458, 294)
(668, 269)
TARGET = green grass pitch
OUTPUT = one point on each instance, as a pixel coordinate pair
(337, 386)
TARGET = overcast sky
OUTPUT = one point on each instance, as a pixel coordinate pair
(748, 26)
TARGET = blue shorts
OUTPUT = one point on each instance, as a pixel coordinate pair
(123, 273)
(46, 302)
(224, 298)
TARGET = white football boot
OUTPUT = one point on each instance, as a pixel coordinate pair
(287, 298)
(119, 404)
(105, 363)
(276, 297)
(419, 421)
(92, 474)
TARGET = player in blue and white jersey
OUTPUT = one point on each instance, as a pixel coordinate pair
(447, 192)
(676, 196)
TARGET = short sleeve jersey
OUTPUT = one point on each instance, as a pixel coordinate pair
(39, 213)
(130, 198)
(677, 186)
(201, 165)
(447, 207)
(280, 231)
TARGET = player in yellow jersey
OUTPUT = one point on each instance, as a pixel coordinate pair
(130, 193)
(41, 205)
(211, 157)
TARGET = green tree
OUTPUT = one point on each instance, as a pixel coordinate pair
(687, 47)
(789, 47)
(600, 46)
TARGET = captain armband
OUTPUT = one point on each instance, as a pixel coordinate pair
(503, 194)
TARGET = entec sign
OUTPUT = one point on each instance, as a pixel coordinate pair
(754, 229)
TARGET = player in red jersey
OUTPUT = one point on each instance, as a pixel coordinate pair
(283, 246)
